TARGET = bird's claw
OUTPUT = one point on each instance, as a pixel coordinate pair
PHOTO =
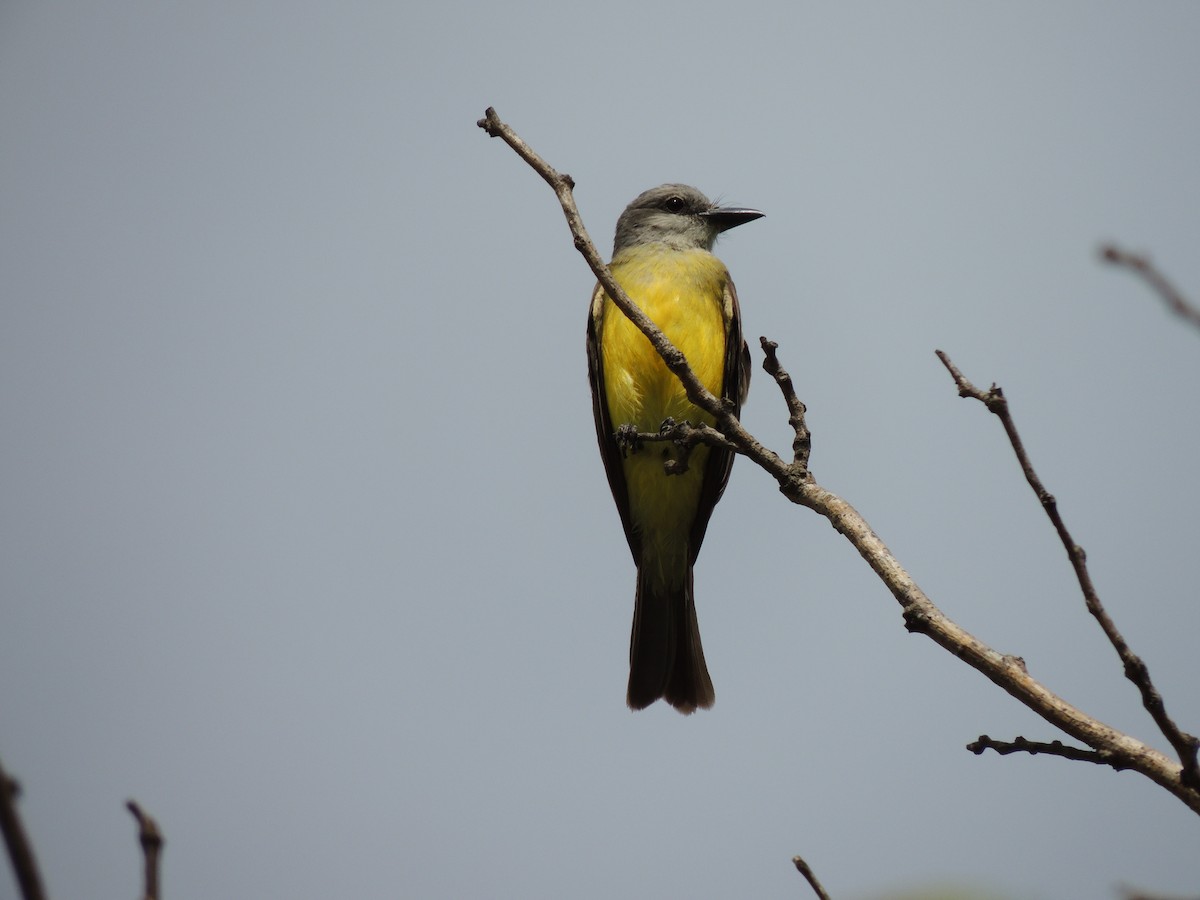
(627, 439)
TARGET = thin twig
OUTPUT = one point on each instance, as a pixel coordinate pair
(152, 842)
(684, 435)
(797, 484)
(1142, 265)
(802, 441)
(1033, 748)
(806, 870)
(20, 851)
(1185, 745)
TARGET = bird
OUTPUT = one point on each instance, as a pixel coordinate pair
(662, 258)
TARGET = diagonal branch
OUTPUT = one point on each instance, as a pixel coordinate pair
(1185, 745)
(20, 851)
(921, 616)
(1142, 265)
(563, 185)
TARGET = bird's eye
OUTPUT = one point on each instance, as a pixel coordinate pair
(674, 204)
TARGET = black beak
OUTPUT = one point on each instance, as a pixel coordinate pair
(726, 217)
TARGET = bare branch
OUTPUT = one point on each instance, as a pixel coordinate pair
(562, 184)
(1185, 745)
(1142, 265)
(921, 616)
(152, 842)
(806, 870)
(20, 851)
(1033, 748)
(802, 442)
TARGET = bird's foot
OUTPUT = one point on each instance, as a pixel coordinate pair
(627, 439)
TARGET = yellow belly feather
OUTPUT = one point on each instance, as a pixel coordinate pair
(683, 293)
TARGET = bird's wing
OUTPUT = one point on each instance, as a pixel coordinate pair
(735, 384)
(609, 451)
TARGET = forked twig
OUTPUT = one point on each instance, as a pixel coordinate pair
(1185, 745)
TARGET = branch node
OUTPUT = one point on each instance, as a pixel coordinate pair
(490, 122)
(1016, 662)
(915, 620)
(793, 486)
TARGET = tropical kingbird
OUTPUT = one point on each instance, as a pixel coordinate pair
(662, 258)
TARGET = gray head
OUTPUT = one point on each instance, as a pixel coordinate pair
(679, 216)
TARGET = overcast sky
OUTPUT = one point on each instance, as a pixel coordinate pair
(306, 543)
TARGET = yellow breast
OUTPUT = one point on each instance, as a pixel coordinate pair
(683, 293)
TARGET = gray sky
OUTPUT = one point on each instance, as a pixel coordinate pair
(306, 542)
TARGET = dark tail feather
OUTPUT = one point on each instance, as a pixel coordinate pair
(666, 659)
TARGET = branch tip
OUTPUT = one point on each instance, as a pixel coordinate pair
(1141, 265)
(806, 870)
(490, 122)
(151, 839)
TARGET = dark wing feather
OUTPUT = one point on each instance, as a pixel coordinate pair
(735, 384)
(609, 451)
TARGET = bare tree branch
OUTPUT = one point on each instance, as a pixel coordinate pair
(1142, 265)
(806, 870)
(1033, 748)
(20, 851)
(1185, 745)
(795, 481)
(802, 442)
(722, 411)
(152, 842)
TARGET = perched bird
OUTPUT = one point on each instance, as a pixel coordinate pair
(662, 258)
